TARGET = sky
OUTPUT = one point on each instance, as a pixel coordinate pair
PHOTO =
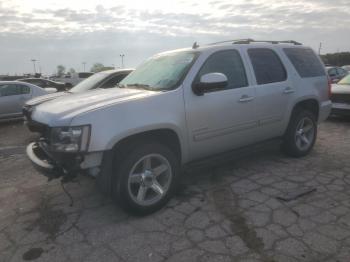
(70, 32)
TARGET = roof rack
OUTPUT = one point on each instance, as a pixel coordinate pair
(248, 41)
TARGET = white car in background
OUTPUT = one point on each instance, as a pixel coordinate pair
(14, 94)
(71, 80)
(102, 80)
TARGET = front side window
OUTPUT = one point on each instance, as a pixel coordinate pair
(267, 66)
(305, 62)
(10, 90)
(161, 72)
(230, 64)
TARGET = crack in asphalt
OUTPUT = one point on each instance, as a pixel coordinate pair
(227, 204)
(12, 150)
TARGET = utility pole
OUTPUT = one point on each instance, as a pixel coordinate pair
(122, 56)
(39, 67)
(84, 63)
(34, 60)
(319, 48)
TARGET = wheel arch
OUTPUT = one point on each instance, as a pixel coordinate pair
(311, 104)
(165, 135)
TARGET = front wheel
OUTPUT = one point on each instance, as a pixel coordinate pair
(301, 134)
(146, 178)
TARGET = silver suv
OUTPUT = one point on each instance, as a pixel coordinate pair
(179, 107)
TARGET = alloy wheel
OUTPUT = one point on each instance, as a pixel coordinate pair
(149, 179)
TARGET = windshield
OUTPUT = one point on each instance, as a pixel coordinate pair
(89, 83)
(161, 72)
(344, 81)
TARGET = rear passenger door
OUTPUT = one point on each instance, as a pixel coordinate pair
(274, 91)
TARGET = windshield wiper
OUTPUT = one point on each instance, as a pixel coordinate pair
(138, 85)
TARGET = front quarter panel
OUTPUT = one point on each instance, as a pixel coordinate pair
(109, 125)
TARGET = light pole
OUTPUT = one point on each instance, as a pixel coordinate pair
(319, 49)
(34, 60)
(84, 63)
(122, 56)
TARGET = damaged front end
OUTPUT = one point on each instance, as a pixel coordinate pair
(53, 166)
(61, 152)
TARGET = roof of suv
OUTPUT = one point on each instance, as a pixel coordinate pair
(241, 42)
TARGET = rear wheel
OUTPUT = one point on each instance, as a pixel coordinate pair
(146, 178)
(301, 134)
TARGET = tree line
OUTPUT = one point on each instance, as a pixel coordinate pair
(96, 67)
(336, 59)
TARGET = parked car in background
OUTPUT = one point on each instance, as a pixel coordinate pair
(104, 80)
(341, 97)
(44, 83)
(13, 95)
(73, 79)
(346, 67)
(179, 107)
(336, 73)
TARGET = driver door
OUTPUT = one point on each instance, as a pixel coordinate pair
(223, 119)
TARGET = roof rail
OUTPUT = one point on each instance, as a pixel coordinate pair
(248, 41)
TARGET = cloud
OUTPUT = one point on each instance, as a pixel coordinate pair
(141, 31)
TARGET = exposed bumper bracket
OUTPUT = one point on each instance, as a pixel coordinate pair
(42, 162)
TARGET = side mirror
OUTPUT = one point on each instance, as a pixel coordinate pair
(210, 82)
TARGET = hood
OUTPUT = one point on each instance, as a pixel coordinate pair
(60, 112)
(41, 99)
(340, 89)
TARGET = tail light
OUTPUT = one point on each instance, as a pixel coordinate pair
(329, 87)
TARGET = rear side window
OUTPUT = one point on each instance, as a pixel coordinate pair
(112, 82)
(305, 62)
(267, 66)
(230, 64)
(24, 89)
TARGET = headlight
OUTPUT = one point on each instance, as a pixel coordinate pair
(70, 139)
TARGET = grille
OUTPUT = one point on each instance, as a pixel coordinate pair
(340, 98)
(43, 129)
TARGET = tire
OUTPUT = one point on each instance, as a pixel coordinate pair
(301, 134)
(144, 186)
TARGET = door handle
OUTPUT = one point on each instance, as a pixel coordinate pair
(246, 98)
(288, 90)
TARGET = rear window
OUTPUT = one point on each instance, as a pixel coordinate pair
(305, 62)
(267, 66)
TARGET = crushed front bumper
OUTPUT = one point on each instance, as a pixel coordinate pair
(55, 165)
(42, 162)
